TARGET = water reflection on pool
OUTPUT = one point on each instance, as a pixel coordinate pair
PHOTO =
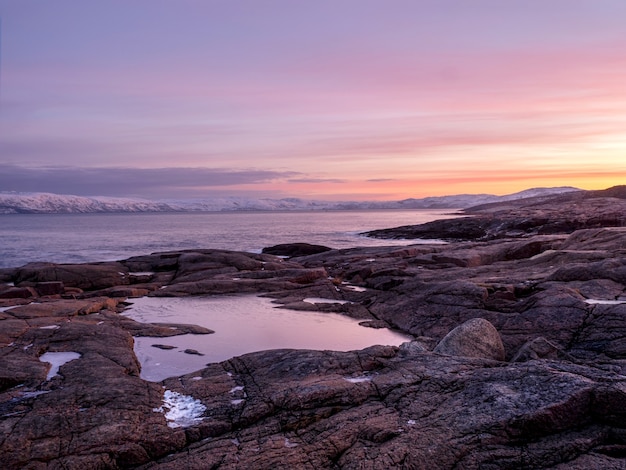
(242, 324)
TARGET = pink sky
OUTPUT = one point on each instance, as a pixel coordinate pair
(345, 99)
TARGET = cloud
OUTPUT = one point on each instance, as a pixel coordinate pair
(316, 180)
(137, 182)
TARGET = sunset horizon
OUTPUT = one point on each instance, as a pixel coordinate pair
(330, 101)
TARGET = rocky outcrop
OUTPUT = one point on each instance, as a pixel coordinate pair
(474, 338)
(82, 276)
(563, 213)
(518, 360)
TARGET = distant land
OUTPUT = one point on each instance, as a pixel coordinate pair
(48, 203)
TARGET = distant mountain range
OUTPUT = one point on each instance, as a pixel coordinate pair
(47, 203)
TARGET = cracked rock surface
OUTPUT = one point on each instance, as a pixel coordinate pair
(532, 375)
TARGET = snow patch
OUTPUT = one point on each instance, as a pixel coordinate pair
(356, 380)
(320, 300)
(355, 288)
(34, 394)
(290, 444)
(50, 327)
(180, 410)
(236, 402)
(56, 360)
(605, 302)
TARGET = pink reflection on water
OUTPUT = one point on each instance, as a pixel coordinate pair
(242, 324)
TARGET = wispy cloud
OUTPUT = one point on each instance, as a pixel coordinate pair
(317, 180)
(147, 182)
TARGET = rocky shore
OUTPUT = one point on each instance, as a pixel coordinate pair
(518, 358)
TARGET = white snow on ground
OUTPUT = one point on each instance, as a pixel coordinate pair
(180, 410)
(35, 393)
(355, 288)
(320, 300)
(356, 380)
(56, 360)
(290, 444)
(605, 302)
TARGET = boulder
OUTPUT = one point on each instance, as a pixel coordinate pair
(474, 338)
(295, 249)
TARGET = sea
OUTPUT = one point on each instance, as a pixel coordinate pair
(82, 238)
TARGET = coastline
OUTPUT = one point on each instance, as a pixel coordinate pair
(545, 390)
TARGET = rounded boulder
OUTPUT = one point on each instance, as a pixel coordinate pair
(474, 338)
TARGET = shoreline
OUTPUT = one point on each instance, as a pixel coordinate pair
(515, 360)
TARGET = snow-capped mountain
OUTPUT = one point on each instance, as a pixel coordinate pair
(46, 203)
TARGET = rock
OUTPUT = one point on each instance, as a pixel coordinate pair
(193, 352)
(63, 308)
(84, 276)
(18, 293)
(530, 216)
(539, 348)
(163, 346)
(474, 338)
(295, 249)
(50, 288)
(411, 348)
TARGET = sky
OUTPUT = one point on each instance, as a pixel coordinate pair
(325, 99)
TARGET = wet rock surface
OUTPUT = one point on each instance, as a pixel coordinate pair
(518, 358)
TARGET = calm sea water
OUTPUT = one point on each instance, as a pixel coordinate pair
(80, 238)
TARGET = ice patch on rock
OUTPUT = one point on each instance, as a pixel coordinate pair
(355, 288)
(236, 389)
(290, 444)
(50, 327)
(35, 393)
(180, 410)
(355, 380)
(236, 402)
(56, 360)
(321, 300)
(605, 302)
